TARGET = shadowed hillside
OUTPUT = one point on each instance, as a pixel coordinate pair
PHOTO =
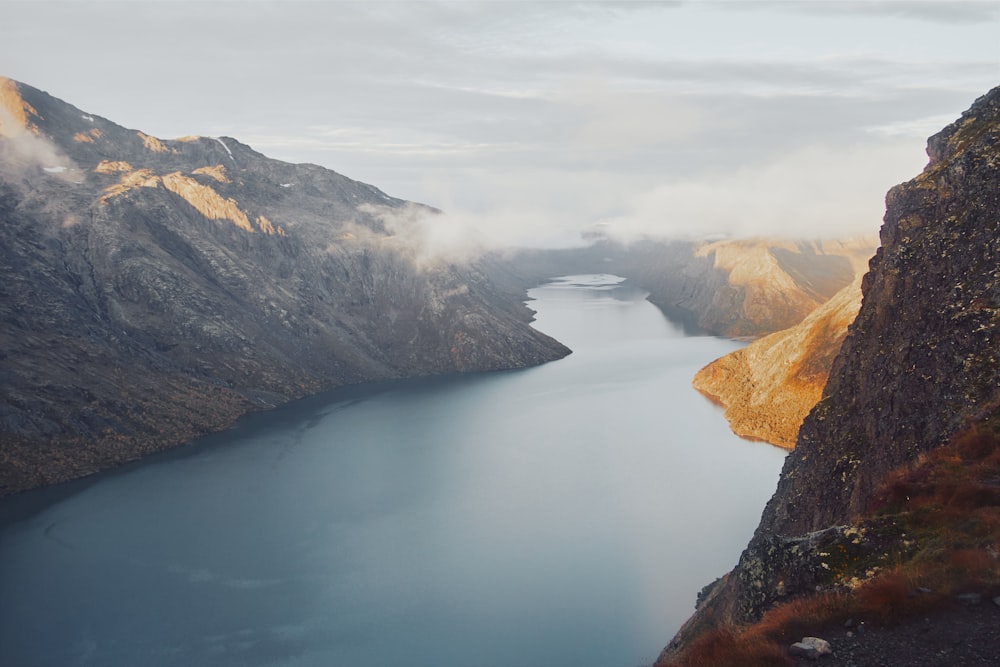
(155, 290)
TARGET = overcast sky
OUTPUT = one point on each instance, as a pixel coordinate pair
(533, 120)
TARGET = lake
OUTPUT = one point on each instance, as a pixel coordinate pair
(566, 514)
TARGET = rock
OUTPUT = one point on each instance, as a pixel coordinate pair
(969, 598)
(753, 287)
(768, 387)
(813, 648)
(739, 288)
(154, 290)
(920, 363)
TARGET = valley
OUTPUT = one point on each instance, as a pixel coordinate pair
(164, 300)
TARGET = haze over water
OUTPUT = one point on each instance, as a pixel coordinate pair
(560, 515)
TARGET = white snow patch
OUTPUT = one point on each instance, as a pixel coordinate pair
(286, 185)
(226, 147)
(89, 119)
(54, 170)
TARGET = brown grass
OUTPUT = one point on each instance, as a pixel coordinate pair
(948, 510)
(728, 647)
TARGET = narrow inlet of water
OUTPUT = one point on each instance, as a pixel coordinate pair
(559, 515)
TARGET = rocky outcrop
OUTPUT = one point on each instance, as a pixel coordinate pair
(768, 387)
(920, 361)
(153, 290)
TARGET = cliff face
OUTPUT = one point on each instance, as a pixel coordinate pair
(768, 387)
(920, 361)
(154, 290)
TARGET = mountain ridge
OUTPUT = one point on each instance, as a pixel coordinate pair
(154, 290)
(737, 288)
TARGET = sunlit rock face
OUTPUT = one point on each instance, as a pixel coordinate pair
(772, 284)
(920, 362)
(740, 288)
(768, 387)
(153, 290)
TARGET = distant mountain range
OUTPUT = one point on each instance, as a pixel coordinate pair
(738, 288)
(154, 290)
(799, 295)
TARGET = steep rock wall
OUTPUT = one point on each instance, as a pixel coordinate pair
(921, 360)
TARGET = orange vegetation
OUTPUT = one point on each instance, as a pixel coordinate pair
(947, 510)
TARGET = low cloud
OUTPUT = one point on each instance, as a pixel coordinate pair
(26, 152)
(432, 237)
(817, 192)
(427, 236)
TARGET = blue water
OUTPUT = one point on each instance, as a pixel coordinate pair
(560, 515)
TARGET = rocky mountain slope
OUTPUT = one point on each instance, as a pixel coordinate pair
(740, 288)
(920, 363)
(768, 387)
(154, 290)
(770, 284)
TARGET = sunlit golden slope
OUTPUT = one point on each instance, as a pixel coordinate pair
(16, 114)
(768, 387)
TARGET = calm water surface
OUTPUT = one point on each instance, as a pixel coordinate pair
(561, 515)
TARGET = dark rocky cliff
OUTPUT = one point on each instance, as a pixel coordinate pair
(154, 290)
(920, 362)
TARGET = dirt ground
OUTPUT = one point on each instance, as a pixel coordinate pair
(961, 636)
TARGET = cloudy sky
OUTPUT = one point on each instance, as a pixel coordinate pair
(534, 120)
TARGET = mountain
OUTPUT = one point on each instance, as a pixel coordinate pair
(747, 288)
(739, 288)
(768, 387)
(913, 399)
(155, 290)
